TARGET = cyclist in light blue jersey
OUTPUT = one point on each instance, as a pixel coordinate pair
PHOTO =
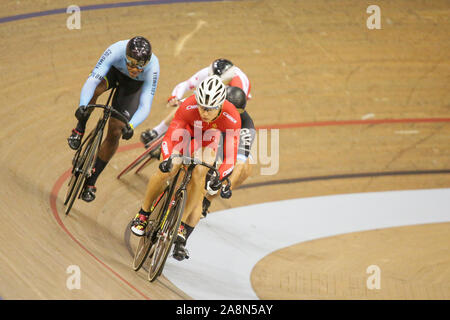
(131, 68)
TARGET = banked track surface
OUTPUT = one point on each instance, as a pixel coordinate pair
(40, 93)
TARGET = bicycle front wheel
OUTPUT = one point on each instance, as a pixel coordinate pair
(166, 236)
(71, 186)
(145, 242)
(78, 178)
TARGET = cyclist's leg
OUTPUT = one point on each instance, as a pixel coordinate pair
(156, 184)
(241, 172)
(111, 142)
(155, 187)
(107, 150)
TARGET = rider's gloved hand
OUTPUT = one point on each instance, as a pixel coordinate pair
(173, 101)
(82, 113)
(127, 132)
(213, 185)
(165, 166)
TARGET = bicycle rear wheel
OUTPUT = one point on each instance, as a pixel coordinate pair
(77, 163)
(146, 163)
(145, 242)
(145, 156)
(166, 236)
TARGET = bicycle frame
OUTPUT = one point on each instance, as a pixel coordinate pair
(88, 151)
(100, 126)
(187, 170)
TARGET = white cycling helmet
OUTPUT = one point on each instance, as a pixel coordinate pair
(211, 92)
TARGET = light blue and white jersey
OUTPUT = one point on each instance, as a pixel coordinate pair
(115, 56)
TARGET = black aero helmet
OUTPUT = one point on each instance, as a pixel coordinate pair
(237, 97)
(140, 50)
(220, 66)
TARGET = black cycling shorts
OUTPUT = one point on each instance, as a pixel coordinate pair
(247, 136)
(128, 92)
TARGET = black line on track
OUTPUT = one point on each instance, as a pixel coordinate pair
(341, 176)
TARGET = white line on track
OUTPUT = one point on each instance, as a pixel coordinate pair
(227, 245)
(407, 131)
(367, 116)
(180, 44)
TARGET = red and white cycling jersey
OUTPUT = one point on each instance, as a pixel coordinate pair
(187, 123)
(238, 79)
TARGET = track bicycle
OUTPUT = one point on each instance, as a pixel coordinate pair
(84, 158)
(165, 218)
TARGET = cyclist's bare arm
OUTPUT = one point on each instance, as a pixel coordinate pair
(170, 116)
(177, 97)
(180, 90)
(190, 84)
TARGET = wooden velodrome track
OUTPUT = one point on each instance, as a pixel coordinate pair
(309, 62)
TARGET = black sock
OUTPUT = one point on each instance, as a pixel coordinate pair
(188, 228)
(206, 203)
(145, 213)
(81, 126)
(98, 168)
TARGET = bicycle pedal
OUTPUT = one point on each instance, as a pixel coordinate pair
(180, 256)
(177, 257)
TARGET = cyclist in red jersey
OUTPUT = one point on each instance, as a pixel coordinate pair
(196, 129)
(236, 80)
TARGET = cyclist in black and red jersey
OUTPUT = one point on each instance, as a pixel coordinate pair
(238, 92)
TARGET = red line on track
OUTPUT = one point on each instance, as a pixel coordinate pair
(58, 184)
(130, 147)
(350, 122)
(53, 196)
(322, 124)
